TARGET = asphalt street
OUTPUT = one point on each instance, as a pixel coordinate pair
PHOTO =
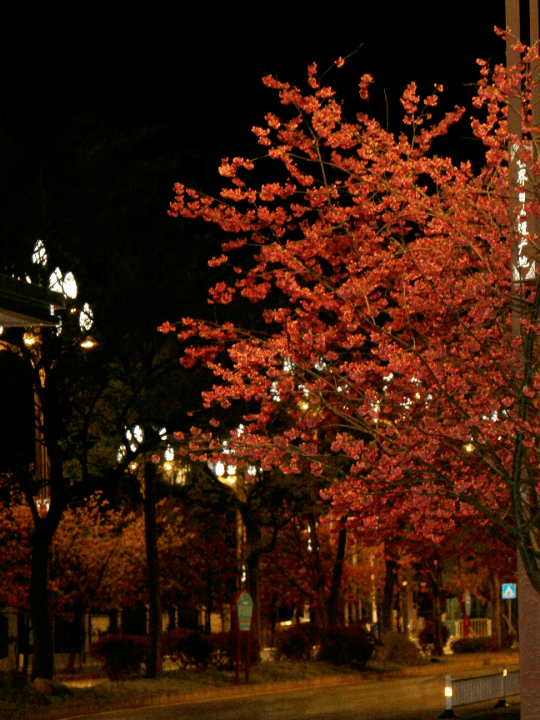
(419, 698)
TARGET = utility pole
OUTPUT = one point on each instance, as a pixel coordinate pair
(524, 271)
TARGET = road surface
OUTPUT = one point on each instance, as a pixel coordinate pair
(418, 698)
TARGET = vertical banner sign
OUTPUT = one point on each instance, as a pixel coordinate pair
(243, 610)
(523, 266)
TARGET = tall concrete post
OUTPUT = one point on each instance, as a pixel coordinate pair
(528, 598)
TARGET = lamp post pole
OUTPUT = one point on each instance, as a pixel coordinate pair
(523, 271)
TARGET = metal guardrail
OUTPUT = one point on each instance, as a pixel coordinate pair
(466, 691)
(480, 627)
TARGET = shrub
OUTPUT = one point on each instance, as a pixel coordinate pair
(353, 645)
(471, 645)
(296, 641)
(397, 648)
(187, 648)
(121, 655)
(16, 691)
(224, 649)
(425, 637)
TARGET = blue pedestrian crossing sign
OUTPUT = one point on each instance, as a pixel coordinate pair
(509, 591)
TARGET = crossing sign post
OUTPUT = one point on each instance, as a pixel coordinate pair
(509, 593)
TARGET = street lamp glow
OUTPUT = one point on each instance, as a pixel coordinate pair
(39, 256)
(86, 317)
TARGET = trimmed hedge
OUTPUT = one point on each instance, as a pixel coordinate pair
(425, 636)
(17, 693)
(397, 648)
(224, 650)
(295, 642)
(121, 655)
(187, 648)
(471, 645)
(352, 645)
(193, 650)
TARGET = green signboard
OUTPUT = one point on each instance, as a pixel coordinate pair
(244, 605)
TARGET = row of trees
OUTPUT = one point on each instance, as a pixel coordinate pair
(98, 564)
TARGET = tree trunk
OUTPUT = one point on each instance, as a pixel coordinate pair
(154, 665)
(388, 596)
(333, 602)
(114, 627)
(436, 583)
(495, 587)
(43, 662)
(273, 618)
(209, 606)
(320, 588)
(76, 641)
(252, 572)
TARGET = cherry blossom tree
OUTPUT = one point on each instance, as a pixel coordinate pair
(397, 336)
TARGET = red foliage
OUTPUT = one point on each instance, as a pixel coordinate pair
(383, 273)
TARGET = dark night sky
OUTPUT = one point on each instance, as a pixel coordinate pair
(200, 69)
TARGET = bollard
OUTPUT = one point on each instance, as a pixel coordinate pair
(448, 694)
(502, 702)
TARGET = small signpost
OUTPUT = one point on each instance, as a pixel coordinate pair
(509, 593)
(243, 612)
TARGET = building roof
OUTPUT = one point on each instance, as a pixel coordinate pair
(26, 305)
